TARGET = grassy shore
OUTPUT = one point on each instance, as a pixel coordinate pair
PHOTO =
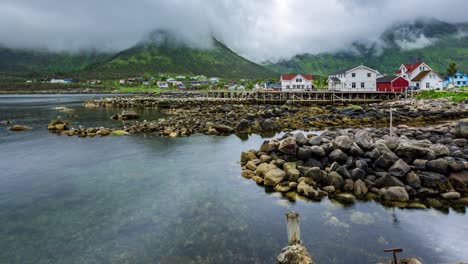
(455, 95)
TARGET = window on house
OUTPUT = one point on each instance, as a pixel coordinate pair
(287, 86)
(427, 85)
(353, 74)
(298, 80)
(417, 84)
(353, 85)
(362, 85)
(369, 74)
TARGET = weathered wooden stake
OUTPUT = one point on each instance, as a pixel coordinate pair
(391, 122)
(294, 232)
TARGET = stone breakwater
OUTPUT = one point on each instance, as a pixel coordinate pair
(419, 167)
(187, 116)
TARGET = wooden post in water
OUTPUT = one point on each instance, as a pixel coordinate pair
(294, 232)
(391, 122)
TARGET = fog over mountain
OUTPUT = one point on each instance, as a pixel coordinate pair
(259, 30)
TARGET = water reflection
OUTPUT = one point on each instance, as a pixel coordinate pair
(142, 199)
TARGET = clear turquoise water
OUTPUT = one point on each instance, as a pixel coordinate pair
(143, 199)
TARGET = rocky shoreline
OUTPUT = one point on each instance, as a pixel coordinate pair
(420, 167)
(187, 116)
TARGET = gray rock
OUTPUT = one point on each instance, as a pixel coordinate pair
(460, 142)
(329, 189)
(363, 139)
(343, 142)
(412, 179)
(288, 146)
(343, 172)
(440, 150)
(273, 177)
(360, 189)
(461, 128)
(361, 164)
(451, 195)
(282, 187)
(268, 125)
(399, 168)
(345, 198)
(300, 138)
(335, 179)
(307, 190)
(304, 153)
(357, 174)
(355, 150)
(438, 165)
(315, 141)
(293, 175)
(435, 180)
(388, 181)
(338, 155)
(348, 185)
(420, 164)
(318, 151)
(386, 160)
(263, 168)
(409, 152)
(374, 154)
(295, 254)
(395, 193)
(315, 174)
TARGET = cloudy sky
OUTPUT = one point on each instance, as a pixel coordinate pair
(258, 29)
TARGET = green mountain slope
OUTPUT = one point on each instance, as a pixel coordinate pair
(169, 57)
(447, 46)
(39, 63)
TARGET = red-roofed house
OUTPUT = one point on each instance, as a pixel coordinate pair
(296, 82)
(419, 74)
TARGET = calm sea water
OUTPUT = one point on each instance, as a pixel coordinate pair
(143, 199)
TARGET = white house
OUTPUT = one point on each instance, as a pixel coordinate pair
(419, 74)
(360, 78)
(162, 84)
(296, 82)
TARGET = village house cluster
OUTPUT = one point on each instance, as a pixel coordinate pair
(410, 76)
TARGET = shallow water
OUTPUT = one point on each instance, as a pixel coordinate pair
(143, 199)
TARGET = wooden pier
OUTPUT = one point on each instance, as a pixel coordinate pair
(312, 97)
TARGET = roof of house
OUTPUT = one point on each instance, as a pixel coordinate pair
(386, 79)
(344, 70)
(410, 67)
(334, 79)
(420, 76)
(289, 77)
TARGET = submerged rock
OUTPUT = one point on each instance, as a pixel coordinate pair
(18, 128)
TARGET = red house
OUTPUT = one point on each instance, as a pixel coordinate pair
(392, 84)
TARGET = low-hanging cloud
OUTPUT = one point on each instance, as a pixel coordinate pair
(260, 30)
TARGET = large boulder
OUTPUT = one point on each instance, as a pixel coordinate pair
(459, 181)
(409, 152)
(343, 142)
(318, 151)
(338, 155)
(334, 179)
(388, 181)
(363, 139)
(395, 193)
(440, 150)
(273, 177)
(263, 168)
(399, 168)
(288, 146)
(438, 165)
(360, 188)
(435, 180)
(386, 160)
(461, 129)
(300, 138)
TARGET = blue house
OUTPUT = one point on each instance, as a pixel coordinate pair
(458, 80)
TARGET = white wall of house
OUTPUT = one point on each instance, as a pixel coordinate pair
(360, 78)
(298, 83)
(430, 82)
